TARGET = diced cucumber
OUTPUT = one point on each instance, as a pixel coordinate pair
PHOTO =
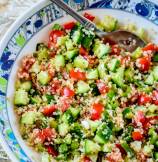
(87, 41)
(137, 53)
(68, 139)
(29, 117)
(71, 54)
(94, 125)
(35, 68)
(91, 147)
(102, 70)
(74, 144)
(155, 73)
(127, 113)
(118, 77)
(107, 147)
(42, 53)
(114, 63)
(67, 117)
(150, 79)
(46, 157)
(92, 74)
(80, 62)
(59, 61)
(53, 123)
(155, 57)
(156, 155)
(127, 148)
(129, 75)
(109, 23)
(152, 108)
(21, 97)
(82, 87)
(75, 111)
(63, 148)
(35, 100)
(61, 41)
(103, 134)
(69, 44)
(56, 27)
(101, 49)
(77, 36)
(69, 67)
(63, 129)
(43, 77)
(26, 85)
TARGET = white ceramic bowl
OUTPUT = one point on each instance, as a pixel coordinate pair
(33, 27)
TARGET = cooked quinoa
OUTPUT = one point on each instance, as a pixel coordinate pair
(79, 99)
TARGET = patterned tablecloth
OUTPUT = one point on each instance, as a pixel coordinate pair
(7, 17)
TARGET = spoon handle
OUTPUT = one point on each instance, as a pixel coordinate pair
(85, 22)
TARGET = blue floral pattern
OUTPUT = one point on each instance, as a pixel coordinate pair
(32, 26)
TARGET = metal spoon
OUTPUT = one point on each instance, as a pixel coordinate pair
(125, 39)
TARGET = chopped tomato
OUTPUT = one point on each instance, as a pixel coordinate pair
(51, 151)
(143, 63)
(89, 16)
(69, 25)
(149, 47)
(67, 92)
(83, 51)
(97, 111)
(137, 136)
(64, 103)
(54, 35)
(155, 97)
(87, 159)
(77, 75)
(45, 134)
(125, 60)
(48, 110)
(118, 145)
(144, 99)
(115, 49)
(103, 88)
(140, 117)
(55, 87)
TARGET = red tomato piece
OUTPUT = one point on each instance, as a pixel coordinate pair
(87, 159)
(69, 25)
(89, 16)
(118, 145)
(96, 111)
(54, 35)
(103, 88)
(83, 51)
(65, 103)
(77, 75)
(48, 111)
(67, 92)
(115, 49)
(149, 47)
(137, 136)
(155, 97)
(143, 63)
(51, 151)
(144, 99)
(45, 134)
(55, 87)
(140, 117)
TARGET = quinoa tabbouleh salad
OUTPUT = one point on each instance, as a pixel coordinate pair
(80, 100)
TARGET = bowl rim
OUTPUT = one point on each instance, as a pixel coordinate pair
(5, 39)
(3, 42)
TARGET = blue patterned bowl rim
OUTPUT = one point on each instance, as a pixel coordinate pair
(145, 8)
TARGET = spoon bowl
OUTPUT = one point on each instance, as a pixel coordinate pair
(124, 39)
